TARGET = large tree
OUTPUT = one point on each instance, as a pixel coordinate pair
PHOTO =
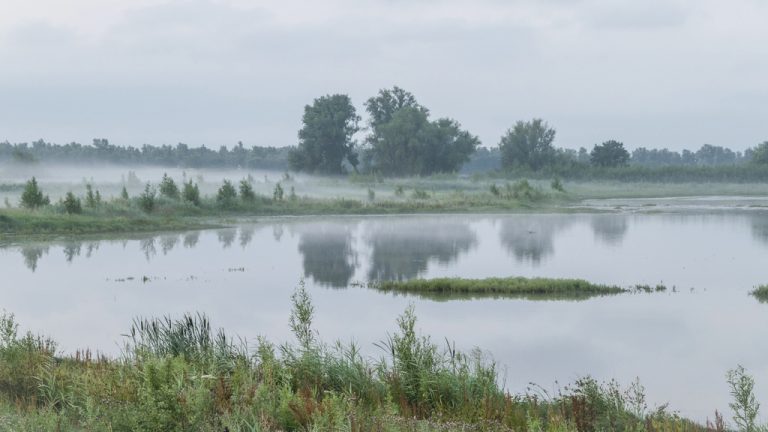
(403, 141)
(528, 144)
(326, 137)
(609, 154)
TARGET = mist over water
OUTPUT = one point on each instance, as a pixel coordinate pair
(87, 290)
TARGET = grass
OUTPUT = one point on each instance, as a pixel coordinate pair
(512, 287)
(121, 215)
(179, 375)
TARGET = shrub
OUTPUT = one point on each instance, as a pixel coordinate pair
(557, 185)
(33, 197)
(124, 194)
(191, 193)
(147, 199)
(246, 191)
(72, 204)
(226, 195)
(168, 188)
(278, 193)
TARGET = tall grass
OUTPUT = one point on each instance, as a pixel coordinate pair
(182, 375)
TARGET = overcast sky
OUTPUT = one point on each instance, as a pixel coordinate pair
(654, 73)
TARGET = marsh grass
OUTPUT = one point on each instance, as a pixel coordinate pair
(179, 375)
(511, 287)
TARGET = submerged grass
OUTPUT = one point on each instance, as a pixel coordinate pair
(181, 375)
(512, 287)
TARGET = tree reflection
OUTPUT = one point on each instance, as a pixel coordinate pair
(531, 238)
(403, 250)
(226, 237)
(168, 242)
(610, 229)
(71, 250)
(760, 227)
(328, 254)
(32, 255)
(191, 239)
(246, 235)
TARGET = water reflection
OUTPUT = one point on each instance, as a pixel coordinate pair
(402, 251)
(610, 229)
(191, 239)
(32, 254)
(327, 252)
(759, 225)
(226, 237)
(531, 238)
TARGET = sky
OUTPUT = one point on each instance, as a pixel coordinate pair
(651, 73)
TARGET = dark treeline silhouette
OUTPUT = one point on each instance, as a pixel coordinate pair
(180, 155)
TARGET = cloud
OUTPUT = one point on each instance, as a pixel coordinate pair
(657, 73)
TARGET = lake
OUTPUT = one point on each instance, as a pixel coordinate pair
(84, 291)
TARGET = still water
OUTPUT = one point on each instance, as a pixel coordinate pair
(85, 291)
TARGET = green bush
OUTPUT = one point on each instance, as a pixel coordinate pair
(227, 195)
(72, 204)
(32, 197)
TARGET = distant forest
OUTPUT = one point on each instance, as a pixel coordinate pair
(404, 140)
(180, 155)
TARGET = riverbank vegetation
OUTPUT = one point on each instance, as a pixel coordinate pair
(512, 287)
(178, 375)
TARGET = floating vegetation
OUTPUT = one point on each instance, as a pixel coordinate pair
(511, 287)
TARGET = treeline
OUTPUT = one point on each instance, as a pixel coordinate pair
(401, 139)
(180, 155)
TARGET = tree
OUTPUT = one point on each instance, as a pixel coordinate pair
(326, 137)
(168, 188)
(72, 204)
(32, 197)
(226, 195)
(246, 191)
(191, 193)
(147, 199)
(760, 154)
(403, 141)
(528, 144)
(611, 153)
(382, 107)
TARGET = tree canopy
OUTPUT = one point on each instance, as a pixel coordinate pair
(403, 141)
(528, 144)
(611, 153)
(326, 137)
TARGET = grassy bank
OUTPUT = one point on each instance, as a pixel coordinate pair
(181, 375)
(513, 287)
(34, 223)
(164, 213)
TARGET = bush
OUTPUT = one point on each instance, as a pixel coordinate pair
(191, 193)
(147, 199)
(226, 195)
(33, 197)
(246, 192)
(278, 193)
(72, 204)
(168, 188)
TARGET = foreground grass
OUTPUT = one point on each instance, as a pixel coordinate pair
(513, 287)
(180, 375)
